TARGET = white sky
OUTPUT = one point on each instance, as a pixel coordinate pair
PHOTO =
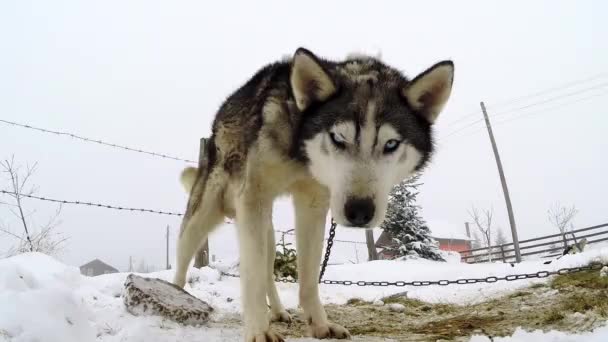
(151, 74)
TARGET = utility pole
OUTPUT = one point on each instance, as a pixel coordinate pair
(503, 181)
(167, 248)
(201, 258)
(468, 229)
(371, 245)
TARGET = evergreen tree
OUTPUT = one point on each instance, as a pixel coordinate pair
(403, 223)
(285, 265)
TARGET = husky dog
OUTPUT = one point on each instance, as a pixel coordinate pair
(332, 135)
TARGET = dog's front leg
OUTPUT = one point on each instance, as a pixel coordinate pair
(254, 220)
(311, 206)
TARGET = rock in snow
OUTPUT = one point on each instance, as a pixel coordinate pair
(604, 271)
(378, 302)
(151, 296)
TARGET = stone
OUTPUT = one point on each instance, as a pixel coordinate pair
(151, 296)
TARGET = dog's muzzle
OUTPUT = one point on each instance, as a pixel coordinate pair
(359, 211)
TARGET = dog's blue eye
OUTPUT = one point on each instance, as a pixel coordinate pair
(391, 146)
(337, 140)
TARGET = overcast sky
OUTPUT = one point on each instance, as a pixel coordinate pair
(151, 74)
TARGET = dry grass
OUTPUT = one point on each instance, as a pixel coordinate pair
(541, 306)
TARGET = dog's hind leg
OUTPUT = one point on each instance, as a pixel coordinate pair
(277, 310)
(202, 215)
(311, 202)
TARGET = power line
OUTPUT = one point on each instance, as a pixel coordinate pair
(462, 118)
(536, 112)
(517, 117)
(552, 99)
(90, 204)
(71, 135)
(535, 94)
(460, 129)
(549, 100)
(548, 90)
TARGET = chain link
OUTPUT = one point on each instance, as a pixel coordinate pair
(462, 281)
(330, 243)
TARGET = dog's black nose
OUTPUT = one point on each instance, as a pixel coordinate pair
(359, 211)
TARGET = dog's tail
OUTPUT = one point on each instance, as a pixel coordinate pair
(188, 177)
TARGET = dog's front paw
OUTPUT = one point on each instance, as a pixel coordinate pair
(329, 330)
(267, 336)
(281, 316)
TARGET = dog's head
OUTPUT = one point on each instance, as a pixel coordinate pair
(365, 128)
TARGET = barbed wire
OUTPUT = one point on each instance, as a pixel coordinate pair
(115, 207)
(91, 204)
(335, 240)
(100, 142)
(461, 281)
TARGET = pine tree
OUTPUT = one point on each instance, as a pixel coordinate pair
(285, 265)
(403, 223)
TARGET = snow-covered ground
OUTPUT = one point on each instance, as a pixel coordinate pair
(42, 299)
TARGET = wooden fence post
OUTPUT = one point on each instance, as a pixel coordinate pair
(201, 258)
(502, 252)
(372, 254)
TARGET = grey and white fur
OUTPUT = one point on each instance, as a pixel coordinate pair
(334, 136)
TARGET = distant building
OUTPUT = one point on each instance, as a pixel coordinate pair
(96, 267)
(449, 237)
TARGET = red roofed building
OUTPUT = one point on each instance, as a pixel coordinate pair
(451, 238)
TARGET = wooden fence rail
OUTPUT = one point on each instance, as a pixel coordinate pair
(529, 247)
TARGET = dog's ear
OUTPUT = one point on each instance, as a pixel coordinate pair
(429, 91)
(309, 81)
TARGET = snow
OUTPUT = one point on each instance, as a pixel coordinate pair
(396, 307)
(598, 335)
(42, 299)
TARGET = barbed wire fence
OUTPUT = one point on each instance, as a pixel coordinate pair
(95, 141)
(444, 282)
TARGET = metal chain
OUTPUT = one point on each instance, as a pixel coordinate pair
(462, 281)
(161, 155)
(330, 243)
(99, 205)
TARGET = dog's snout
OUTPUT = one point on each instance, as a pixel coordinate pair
(359, 211)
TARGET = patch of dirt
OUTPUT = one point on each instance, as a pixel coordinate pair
(573, 303)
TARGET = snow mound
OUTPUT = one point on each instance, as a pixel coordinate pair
(38, 303)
